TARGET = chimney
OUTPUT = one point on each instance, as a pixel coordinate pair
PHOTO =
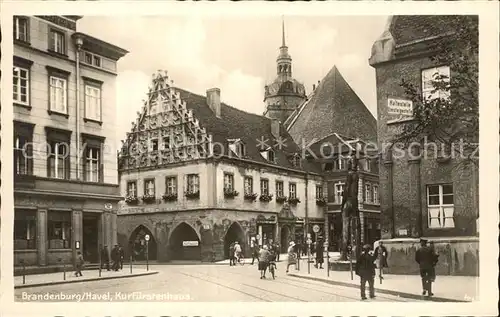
(213, 100)
(314, 87)
(275, 128)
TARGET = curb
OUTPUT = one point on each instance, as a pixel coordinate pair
(86, 280)
(382, 291)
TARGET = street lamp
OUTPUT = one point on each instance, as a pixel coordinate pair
(147, 252)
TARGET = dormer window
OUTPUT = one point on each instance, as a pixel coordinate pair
(268, 154)
(340, 163)
(368, 166)
(296, 160)
(237, 147)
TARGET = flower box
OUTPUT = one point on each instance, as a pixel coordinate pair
(266, 198)
(294, 201)
(229, 193)
(192, 195)
(321, 201)
(250, 196)
(148, 199)
(280, 199)
(131, 200)
(169, 197)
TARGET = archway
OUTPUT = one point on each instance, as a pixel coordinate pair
(184, 243)
(137, 244)
(285, 238)
(234, 233)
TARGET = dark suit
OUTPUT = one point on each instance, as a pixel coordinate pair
(365, 269)
(426, 259)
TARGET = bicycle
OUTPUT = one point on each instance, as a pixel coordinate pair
(240, 260)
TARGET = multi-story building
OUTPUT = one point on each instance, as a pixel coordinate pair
(424, 195)
(199, 174)
(65, 168)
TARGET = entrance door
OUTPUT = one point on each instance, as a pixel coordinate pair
(234, 234)
(90, 245)
(285, 238)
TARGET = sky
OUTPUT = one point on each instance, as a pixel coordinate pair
(235, 54)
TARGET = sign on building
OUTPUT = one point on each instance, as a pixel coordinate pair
(400, 107)
(189, 243)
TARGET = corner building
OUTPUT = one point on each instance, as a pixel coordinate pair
(198, 175)
(425, 197)
(65, 170)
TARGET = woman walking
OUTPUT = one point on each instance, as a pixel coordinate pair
(292, 256)
(263, 261)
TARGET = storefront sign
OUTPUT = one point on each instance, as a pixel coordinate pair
(400, 107)
(190, 243)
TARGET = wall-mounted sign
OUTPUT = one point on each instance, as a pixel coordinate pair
(400, 107)
(108, 206)
(190, 243)
(206, 226)
(403, 232)
(77, 245)
(146, 237)
(316, 228)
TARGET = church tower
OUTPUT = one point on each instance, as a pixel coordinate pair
(285, 94)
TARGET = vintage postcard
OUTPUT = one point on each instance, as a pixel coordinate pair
(166, 155)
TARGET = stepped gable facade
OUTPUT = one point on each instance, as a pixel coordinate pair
(199, 174)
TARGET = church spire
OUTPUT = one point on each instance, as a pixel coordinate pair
(283, 31)
(284, 59)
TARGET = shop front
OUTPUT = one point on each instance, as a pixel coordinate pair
(266, 229)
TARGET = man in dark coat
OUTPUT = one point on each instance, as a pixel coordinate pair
(319, 255)
(115, 257)
(365, 269)
(121, 256)
(105, 257)
(381, 255)
(426, 259)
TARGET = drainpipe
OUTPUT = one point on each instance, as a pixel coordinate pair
(307, 203)
(78, 42)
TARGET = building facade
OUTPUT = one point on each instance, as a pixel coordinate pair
(199, 175)
(426, 196)
(66, 189)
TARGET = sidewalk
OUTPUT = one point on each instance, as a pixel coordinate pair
(88, 275)
(446, 288)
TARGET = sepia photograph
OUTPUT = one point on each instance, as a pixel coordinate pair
(245, 158)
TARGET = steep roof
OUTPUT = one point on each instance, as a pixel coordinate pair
(409, 28)
(238, 124)
(333, 107)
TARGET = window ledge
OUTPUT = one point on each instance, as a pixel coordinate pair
(51, 112)
(60, 250)
(92, 121)
(25, 251)
(21, 42)
(22, 105)
(52, 52)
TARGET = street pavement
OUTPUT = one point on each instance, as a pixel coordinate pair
(208, 283)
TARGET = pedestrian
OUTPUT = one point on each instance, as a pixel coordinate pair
(381, 255)
(365, 269)
(237, 252)
(105, 258)
(231, 254)
(121, 256)
(263, 261)
(434, 263)
(79, 264)
(115, 257)
(255, 250)
(277, 247)
(319, 255)
(426, 259)
(292, 256)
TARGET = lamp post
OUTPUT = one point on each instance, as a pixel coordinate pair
(147, 252)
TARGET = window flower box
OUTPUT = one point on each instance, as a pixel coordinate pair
(149, 199)
(250, 196)
(131, 200)
(280, 199)
(169, 197)
(230, 193)
(321, 201)
(266, 198)
(192, 195)
(294, 201)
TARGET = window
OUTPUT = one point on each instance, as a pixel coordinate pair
(319, 191)
(428, 76)
(237, 147)
(59, 229)
(132, 189)
(375, 195)
(296, 161)
(368, 166)
(93, 102)
(166, 142)
(97, 61)
(58, 160)
(193, 183)
(88, 58)
(153, 145)
(328, 167)
(279, 189)
(92, 164)
(340, 163)
(264, 187)
(23, 156)
(228, 182)
(57, 42)
(24, 230)
(58, 95)
(440, 206)
(149, 187)
(21, 82)
(171, 185)
(21, 29)
(292, 190)
(368, 193)
(339, 191)
(248, 185)
(268, 155)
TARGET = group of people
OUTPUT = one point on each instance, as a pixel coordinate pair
(426, 257)
(235, 253)
(116, 259)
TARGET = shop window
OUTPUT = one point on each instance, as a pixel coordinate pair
(59, 229)
(25, 230)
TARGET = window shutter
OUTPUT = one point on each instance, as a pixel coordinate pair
(52, 40)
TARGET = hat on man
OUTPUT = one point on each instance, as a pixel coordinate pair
(366, 247)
